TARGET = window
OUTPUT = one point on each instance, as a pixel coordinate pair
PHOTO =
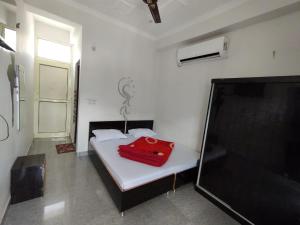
(10, 37)
(54, 51)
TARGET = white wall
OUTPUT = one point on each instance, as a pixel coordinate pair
(184, 91)
(7, 16)
(246, 12)
(119, 53)
(51, 33)
(3, 17)
(11, 19)
(25, 57)
(7, 150)
(19, 141)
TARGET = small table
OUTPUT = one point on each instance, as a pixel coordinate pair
(27, 178)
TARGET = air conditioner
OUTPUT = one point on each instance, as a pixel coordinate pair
(215, 48)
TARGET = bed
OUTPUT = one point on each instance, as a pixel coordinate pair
(127, 187)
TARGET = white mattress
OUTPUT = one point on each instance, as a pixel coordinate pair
(130, 174)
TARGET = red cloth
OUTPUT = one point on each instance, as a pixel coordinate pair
(147, 150)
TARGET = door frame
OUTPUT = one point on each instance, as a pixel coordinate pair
(77, 78)
(41, 61)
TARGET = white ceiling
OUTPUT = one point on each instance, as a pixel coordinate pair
(175, 14)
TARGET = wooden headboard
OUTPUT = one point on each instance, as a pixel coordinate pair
(119, 125)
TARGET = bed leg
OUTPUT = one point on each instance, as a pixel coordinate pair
(167, 194)
(122, 214)
(174, 183)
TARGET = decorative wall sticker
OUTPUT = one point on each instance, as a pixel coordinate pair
(4, 136)
(126, 89)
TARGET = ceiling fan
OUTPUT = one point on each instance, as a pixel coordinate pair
(152, 4)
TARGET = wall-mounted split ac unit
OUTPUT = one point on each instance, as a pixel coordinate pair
(215, 48)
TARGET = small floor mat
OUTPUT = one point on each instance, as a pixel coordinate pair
(65, 148)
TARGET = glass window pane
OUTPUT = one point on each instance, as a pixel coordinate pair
(10, 38)
(54, 51)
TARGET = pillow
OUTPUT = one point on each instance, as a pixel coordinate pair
(108, 134)
(141, 132)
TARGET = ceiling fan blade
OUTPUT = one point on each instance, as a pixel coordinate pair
(154, 12)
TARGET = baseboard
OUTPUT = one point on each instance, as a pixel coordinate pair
(80, 154)
(27, 152)
(29, 147)
(2, 215)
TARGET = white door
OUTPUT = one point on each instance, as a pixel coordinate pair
(52, 99)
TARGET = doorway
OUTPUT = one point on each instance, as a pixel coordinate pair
(57, 48)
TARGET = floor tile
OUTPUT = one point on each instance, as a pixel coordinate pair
(75, 195)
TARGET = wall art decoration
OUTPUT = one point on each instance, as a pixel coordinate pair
(4, 135)
(126, 89)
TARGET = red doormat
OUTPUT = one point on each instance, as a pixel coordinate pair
(65, 148)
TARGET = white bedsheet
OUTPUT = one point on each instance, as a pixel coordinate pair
(130, 174)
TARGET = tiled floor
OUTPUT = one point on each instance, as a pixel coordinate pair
(75, 195)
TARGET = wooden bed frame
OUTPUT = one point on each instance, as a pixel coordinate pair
(130, 198)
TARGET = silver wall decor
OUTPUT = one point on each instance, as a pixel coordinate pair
(126, 89)
(12, 77)
(5, 136)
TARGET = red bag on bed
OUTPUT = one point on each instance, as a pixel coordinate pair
(147, 150)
